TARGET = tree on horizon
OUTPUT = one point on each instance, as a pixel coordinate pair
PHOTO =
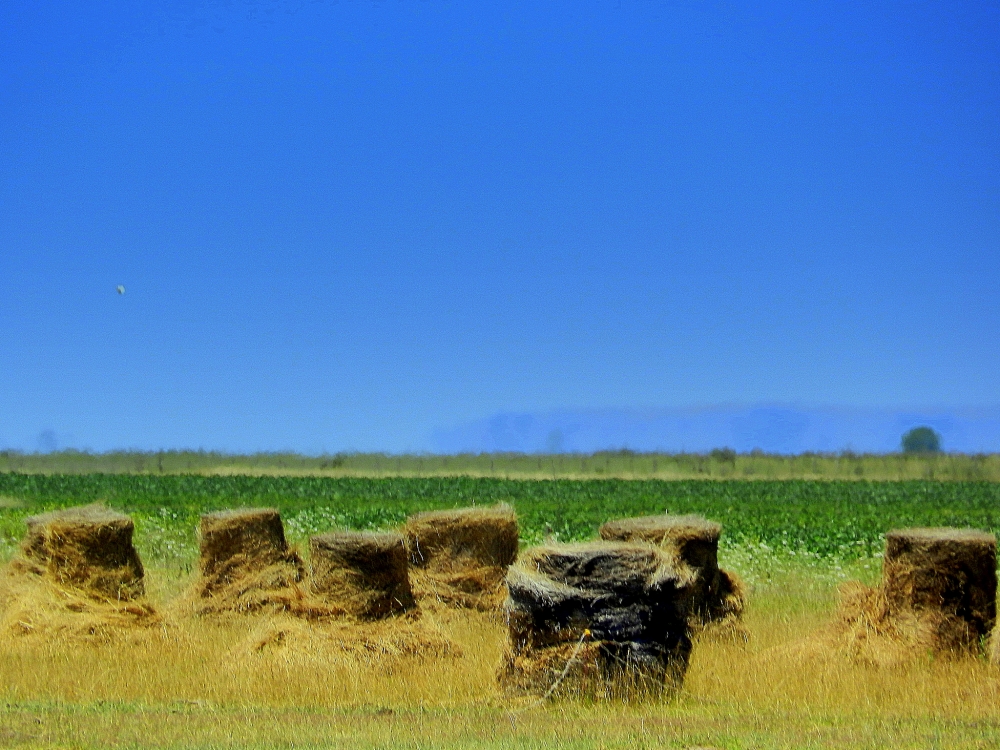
(921, 440)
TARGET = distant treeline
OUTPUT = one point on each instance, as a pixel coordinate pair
(717, 464)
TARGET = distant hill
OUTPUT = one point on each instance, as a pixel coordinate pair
(771, 428)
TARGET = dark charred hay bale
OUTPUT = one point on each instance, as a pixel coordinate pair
(460, 557)
(937, 595)
(366, 573)
(246, 566)
(78, 577)
(601, 618)
(693, 541)
(88, 548)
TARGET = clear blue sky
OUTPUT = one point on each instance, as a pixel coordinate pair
(342, 225)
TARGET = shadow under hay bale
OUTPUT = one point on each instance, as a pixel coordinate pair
(366, 573)
(716, 595)
(77, 574)
(246, 566)
(460, 557)
(602, 619)
(937, 595)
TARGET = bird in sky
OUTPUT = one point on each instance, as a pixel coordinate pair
(120, 289)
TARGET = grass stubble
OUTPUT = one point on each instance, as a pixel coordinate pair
(209, 683)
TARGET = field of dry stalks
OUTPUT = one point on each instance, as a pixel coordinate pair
(274, 682)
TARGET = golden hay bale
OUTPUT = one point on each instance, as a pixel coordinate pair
(716, 595)
(246, 566)
(248, 538)
(87, 548)
(77, 576)
(941, 570)
(604, 618)
(445, 539)
(364, 572)
(696, 538)
(459, 557)
(937, 595)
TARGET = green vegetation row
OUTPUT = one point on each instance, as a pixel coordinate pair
(845, 520)
(717, 464)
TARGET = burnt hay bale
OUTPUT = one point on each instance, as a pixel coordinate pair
(460, 557)
(693, 542)
(364, 572)
(938, 594)
(246, 564)
(86, 548)
(601, 618)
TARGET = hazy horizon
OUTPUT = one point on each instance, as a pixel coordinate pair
(772, 428)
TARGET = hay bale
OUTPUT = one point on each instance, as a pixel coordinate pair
(247, 566)
(88, 549)
(446, 539)
(364, 572)
(251, 537)
(716, 595)
(938, 595)
(953, 571)
(603, 618)
(696, 537)
(77, 577)
(459, 557)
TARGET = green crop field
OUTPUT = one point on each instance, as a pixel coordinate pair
(835, 520)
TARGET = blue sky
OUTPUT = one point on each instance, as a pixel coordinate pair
(345, 225)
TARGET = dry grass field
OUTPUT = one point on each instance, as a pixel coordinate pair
(278, 682)
(232, 683)
(622, 464)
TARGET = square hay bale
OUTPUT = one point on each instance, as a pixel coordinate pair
(937, 595)
(460, 557)
(251, 537)
(366, 573)
(77, 578)
(247, 566)
(601, 618)
(693, 541)
(87, 548)
(942, 569)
